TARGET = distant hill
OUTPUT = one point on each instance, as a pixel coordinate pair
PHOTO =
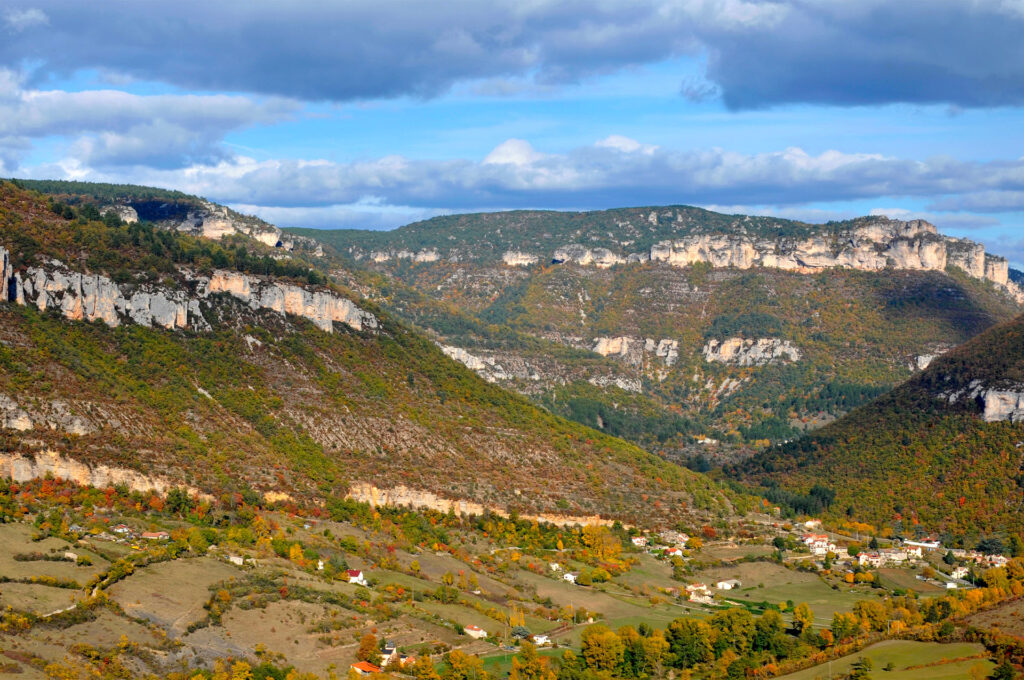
(693, 333)
(944, 451)
(234, 366)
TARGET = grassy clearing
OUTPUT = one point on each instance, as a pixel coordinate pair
(1009, 618)
(34, 598)
(765, 581)
(17, 538)
(907, 579)
(499, 665)
(904, 653)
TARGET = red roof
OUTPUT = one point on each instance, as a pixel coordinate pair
(366, 667)
(354, 573)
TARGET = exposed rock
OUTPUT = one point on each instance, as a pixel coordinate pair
(425, 255)
(1003, 405)
(514, 258)
(575, 253)
(628, 384)
(127, 213)
(12, 416)
(403, 496)
(23, 468)
(94, 297)
(489, 368)
(923, 361)
(748, 352)
(612, 346)
(217, 221)
(323, 308)
(665, 349)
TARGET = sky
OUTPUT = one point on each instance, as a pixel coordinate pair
(374, 114)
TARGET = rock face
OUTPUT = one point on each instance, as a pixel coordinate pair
(425, 255)
(514, 258)
(1003, 405)
(94, 297)
(748, 352)
(321, 307)
(490, 368)
(12, 416)
(214, 221)
(21, 468)
(127, 213)
(403, 496)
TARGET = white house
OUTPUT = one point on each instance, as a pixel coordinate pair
(699, 592)
(541, 640)
(673, 552)
(870, 560)
(728, 584)
(475, 632)
(960, 572)
(639, 541)
(925, 544)
(355, 576)
(570, 576)
(389, 654)
(950, 585)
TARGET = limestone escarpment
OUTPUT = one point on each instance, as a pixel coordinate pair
(489, 368)
(425, 255)
(1002, 403)
(321, 307)
(93, 297)
(634, 351)
(750, 352)
(403, 496)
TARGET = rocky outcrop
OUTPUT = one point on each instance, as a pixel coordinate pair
(425, 255)
(323, 308)
(403, 496)
(638, 351)
(628, 384)
(491, 369)
(749, 352)
(1005, 402)
(514, 258)
(12, 416)
(1003, 405)
(667, 350)
(213, 221)
(127, 213)
(22, 468)
(93, 297)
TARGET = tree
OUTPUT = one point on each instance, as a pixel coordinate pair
(462, 666)
(368, 650)
(600, 539)
(948, 558)
(602, 649)
(1004, 671)
(803, 617)
(766, 631)
(423, 669)
(528, 665)
(689, 642)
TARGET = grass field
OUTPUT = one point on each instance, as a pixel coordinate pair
(907, 579)
(903, 653)
(17, 538)
(499, 665)
(34, 598)
(765, 581)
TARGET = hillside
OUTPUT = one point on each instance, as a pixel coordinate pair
(157, 357)
(676, 325)
(943, 451)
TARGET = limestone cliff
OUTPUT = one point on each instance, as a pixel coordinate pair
(93, 297)
(1005, 402)
(750, 352)
(489, 368)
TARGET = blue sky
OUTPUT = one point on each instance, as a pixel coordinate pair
(374, 114)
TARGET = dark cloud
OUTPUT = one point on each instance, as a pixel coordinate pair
(759, 53)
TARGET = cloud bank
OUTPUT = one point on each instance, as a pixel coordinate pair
(758, 53)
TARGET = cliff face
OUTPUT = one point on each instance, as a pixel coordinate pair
(748, 352)
(94, 297)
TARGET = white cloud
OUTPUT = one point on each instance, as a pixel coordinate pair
(625, 144)
(108, 127)
(21, 19)
(513, 152)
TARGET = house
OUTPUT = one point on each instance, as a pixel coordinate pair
(913, 551)
(236, 560)
(960, 572)
(728, 584)
(355, 576)
(950, 585)
(812, 524)
(389, 654)
(699, 592)
(365, 668)
(541, 640)
(555, 566)
(570, 576)
(406, 660)
(930, 543)
(639, 541)
(872, 559)
(673, 552)
(475, 632)
(155, 535)
(893, 556)
(122, 529)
